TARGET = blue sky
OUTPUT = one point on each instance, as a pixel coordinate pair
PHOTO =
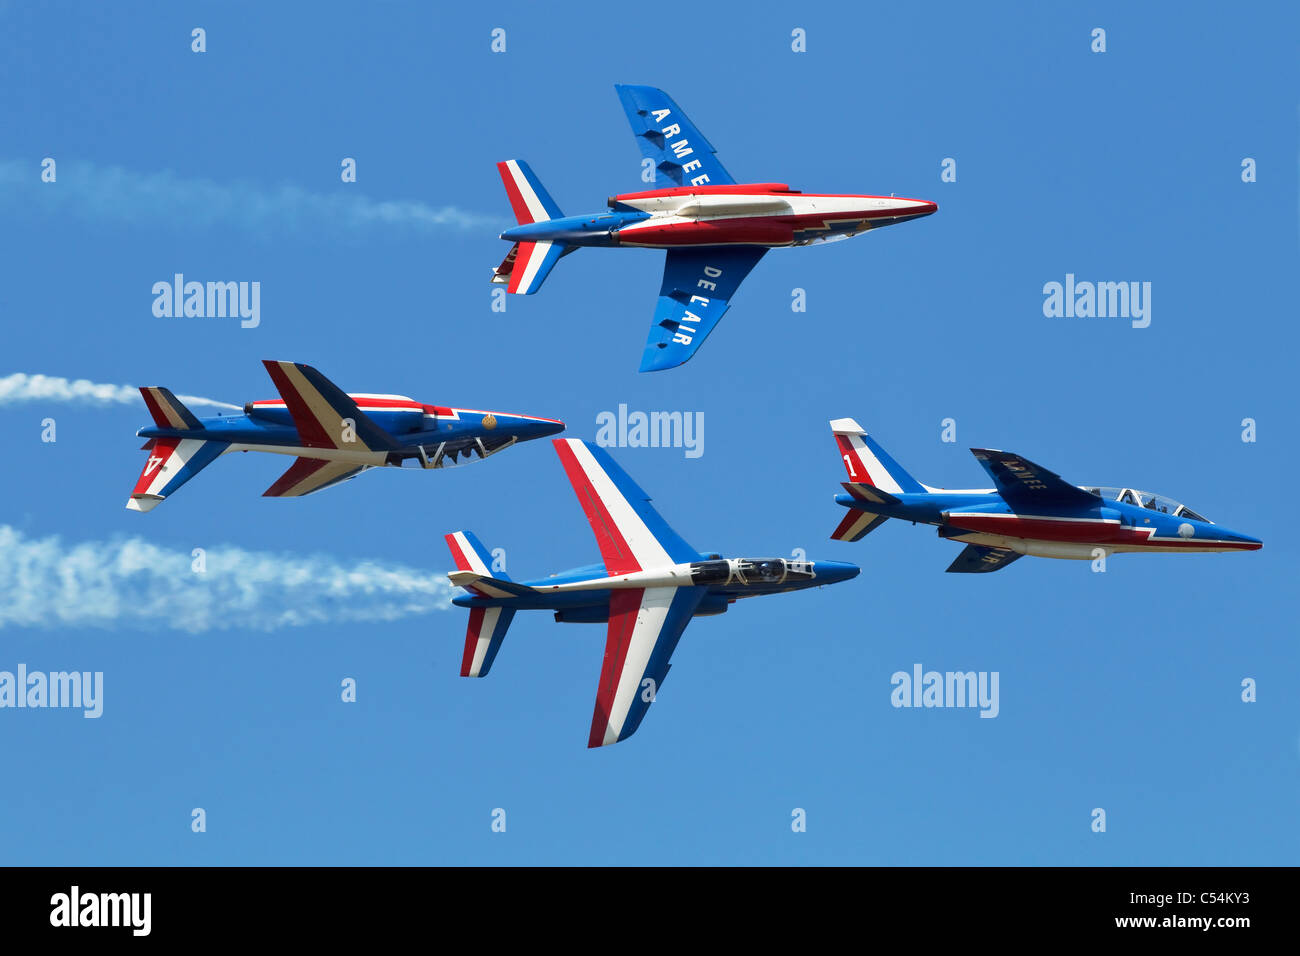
(1118, 690)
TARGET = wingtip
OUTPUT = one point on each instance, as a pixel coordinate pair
(655, 363)
(847, 426)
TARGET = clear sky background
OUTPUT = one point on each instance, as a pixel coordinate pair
(1119, 690)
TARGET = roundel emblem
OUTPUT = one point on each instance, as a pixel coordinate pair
(1185, 530)
(490, 422)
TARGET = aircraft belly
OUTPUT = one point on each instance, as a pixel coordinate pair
(1084, 551)
(325, 454)
(744, 230)
(1089, 530)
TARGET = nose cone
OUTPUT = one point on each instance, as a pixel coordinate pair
(1246, 542)
(528, 428)
(833, 572)
(928, 208)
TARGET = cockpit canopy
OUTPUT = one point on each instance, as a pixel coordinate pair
(750, 571)
(1144, 499)
(761, 570)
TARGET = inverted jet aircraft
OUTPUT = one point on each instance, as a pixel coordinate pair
(332, 436)
(715, 229)
(1030, 510)
(649, 586)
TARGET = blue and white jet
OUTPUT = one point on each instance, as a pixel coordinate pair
(715, 229)
(1030, 510)
(649, 586)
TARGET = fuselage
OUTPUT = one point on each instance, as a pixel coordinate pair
(583, 594)
(435, 435)
(1122, 523)
(762, 214)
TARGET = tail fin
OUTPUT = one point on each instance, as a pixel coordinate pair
(171, 463)
(167, 410)
(528, 198)
(487, 625)
(470, 555)
(869, 464)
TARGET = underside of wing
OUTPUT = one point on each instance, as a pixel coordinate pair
(644, 628)
(978, 559)
(308, 475)
(695, 294)
(679, 151)
(1023, 484)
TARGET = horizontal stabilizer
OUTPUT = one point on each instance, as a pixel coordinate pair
(171, 463)
(868, 494)
(528, 264)
(485, 586)
(857, 525)
(483, 636)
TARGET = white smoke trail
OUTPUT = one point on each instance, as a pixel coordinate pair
(122, 195)
(20, 387)
(45, 583)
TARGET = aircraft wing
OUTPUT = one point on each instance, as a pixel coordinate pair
(308, 475)
(697, 289)
(645, 625)
(681, 154)
(631, 534)
(1022, 484)
(978, 559)
(319, 408)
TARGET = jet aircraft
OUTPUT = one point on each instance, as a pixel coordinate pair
(715, 229)
(648, 587)
(332, 436)
(1030, 510)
